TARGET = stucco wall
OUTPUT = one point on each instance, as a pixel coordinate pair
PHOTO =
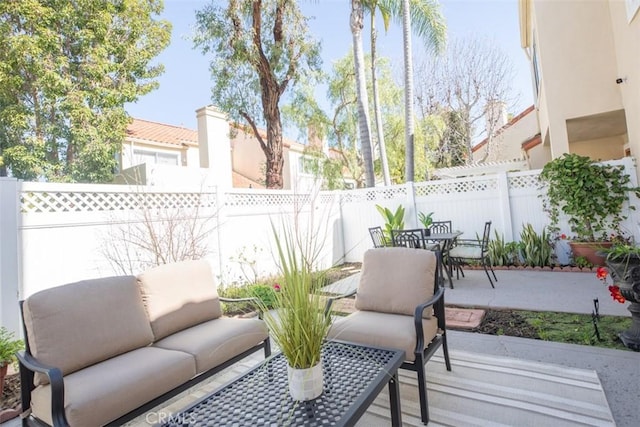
(602, 148)
(507, 145)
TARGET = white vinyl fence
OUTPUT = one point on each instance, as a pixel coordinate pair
(51, 234)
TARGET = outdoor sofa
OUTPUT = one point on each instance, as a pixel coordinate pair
(104, 351)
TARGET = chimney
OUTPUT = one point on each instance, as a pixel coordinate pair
(495, 114)
(214, 145)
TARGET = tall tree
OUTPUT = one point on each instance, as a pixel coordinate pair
(66, 70)
(427, 23)
(260, 48)
(468, 84)
(364, 127)
(432, 26)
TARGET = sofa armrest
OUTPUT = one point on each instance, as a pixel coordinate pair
(30, 365)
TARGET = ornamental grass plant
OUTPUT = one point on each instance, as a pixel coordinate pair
(298, 324)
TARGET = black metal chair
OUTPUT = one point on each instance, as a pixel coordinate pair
(470, 250)
(412, 238)
(439, 227)
(399, 304)
(378, 237)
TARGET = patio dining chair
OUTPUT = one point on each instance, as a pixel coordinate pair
(439, 227)
(378, 237)
(473, 250)
(412, 238)
(399, 304)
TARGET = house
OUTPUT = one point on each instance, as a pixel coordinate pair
(585, 64)
(585, 68)
(157, 153)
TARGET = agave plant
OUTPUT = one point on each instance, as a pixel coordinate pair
(536, 249)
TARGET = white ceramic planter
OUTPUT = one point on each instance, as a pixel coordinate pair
(305, 384)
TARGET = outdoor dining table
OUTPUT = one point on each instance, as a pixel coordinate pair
(446, 242)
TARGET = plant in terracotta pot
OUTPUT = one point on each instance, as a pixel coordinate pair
(299, 323)
(591, 196)
(9, 345)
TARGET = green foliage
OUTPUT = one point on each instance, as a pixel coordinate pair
(578, 328)
(393, 220)
(300, 325)
(426, 220)
(67, 70)
(9, 345)
(582, 262)
(254, 61)
(536, 249)
(591, 195)
(501, 252)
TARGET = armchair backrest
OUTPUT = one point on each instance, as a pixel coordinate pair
(395, 280)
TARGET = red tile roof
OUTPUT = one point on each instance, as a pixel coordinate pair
(159, 132)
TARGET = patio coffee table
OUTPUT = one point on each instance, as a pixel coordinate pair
(354, 375)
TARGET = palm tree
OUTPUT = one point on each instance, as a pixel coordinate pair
(357, 22)
(430, 24)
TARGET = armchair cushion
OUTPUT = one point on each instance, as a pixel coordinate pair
(179, 295)
(395, 280)
(383, 330)
(462, 251)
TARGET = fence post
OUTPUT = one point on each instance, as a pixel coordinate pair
(505, 205)
(412, 214)
(629, 164)
(10, 252)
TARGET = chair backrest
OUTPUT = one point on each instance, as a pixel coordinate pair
(411, 238)
(378, 238)
(486, 236)
(396, 280)
(441, 227)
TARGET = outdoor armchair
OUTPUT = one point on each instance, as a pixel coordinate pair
(378, 237)
(399, 304)
(473, 250)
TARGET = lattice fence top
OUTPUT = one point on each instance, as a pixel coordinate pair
(475, 185)
(530, 181)
(55, 202)
(266, 199)
(373, 194)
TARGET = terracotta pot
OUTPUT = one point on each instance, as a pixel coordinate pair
(589, 250)
(3, 373)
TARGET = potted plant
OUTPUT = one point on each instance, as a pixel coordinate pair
(426, 221)
(9, 345)
(299, 323)
(623, 265)
(591, 196)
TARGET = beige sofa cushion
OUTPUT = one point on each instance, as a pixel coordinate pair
(179, 295)
(396, 280)
(383, 330)
(79, 324)
(216, 341)
(104, 392)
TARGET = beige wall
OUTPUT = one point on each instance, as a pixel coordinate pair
(247, 157)
(577, 59)
(626, 37)
(539, 156)
(601, 148)
(508, 144)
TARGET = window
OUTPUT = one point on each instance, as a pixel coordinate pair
(308, 165)
(155, 158)
(536, 67)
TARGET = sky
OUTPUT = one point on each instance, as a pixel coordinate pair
(185, 85)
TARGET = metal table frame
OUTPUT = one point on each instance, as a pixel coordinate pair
(354, 375)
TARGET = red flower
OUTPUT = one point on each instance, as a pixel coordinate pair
(276, 287)
(615, 293)
(563, 236)
(601, 273)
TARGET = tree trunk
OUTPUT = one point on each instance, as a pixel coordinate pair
(408, 92)
(376, 104)
(357, 22)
